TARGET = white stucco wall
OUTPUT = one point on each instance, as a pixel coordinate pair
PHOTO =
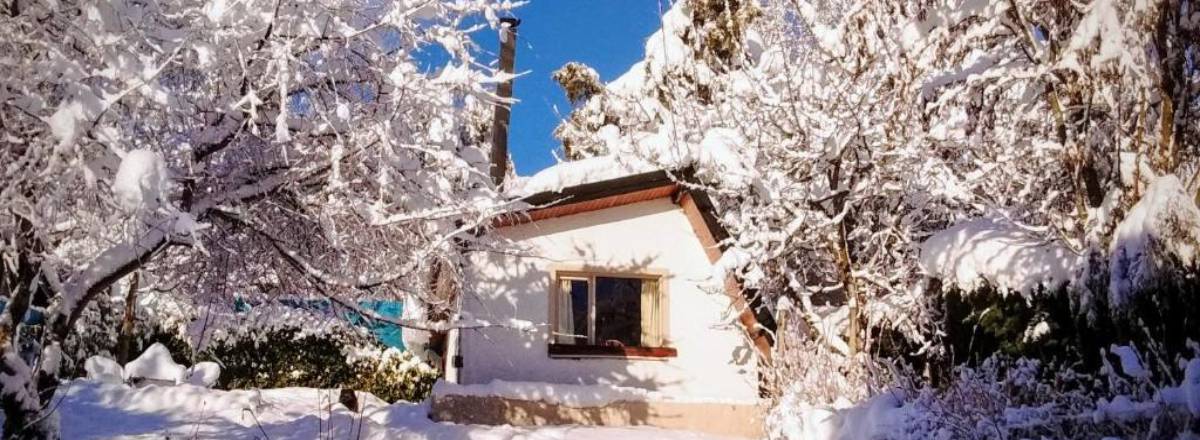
(714, 361)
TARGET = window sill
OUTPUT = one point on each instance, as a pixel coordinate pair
(600, 351)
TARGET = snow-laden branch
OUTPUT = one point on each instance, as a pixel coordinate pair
(255, 189)
(321, 277)
(119, 260)
(440, 213)
(305, 267)
(108, 267)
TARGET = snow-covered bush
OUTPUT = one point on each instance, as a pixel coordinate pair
(203, 374)
(281, 357)
(1027, 399)
(286, 342)
(291, 357)
(99, 328)
(1006, 398)
(579, 81)
(391, 375)
(812, 371)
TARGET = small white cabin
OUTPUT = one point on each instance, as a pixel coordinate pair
(618, 275)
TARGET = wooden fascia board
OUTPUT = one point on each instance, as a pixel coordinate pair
(579, 207)
(703, 229)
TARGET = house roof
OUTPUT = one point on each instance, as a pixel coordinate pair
(593, 196)
(612, 190)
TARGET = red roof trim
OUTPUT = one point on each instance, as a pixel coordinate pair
(569, 208)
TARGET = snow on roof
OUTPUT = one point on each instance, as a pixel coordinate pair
(999, 253)
(578, 172)
(715, 155)
(1164, 224)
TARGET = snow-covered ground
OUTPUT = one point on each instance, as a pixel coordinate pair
(95, 410)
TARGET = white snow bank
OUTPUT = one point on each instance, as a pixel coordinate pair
(99, 410)
(873, 418)
(1163, 226)
(999, 253)
(567, 394)
(1122, 408)
(141, 180)
(1191, 386)
(102, 369)
(204, 374)
(155, 364)
(878, 416)
(1185, 396)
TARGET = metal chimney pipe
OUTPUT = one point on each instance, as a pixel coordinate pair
(508, 49)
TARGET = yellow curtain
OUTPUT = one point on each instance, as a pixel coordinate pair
(651, 315)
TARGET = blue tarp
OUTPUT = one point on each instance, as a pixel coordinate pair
(33, 316)
(388, 334)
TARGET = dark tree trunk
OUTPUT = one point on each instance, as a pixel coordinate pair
(125, 338)
(21, 418)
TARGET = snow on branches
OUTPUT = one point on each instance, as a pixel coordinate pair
(869, 127)
(188, 138)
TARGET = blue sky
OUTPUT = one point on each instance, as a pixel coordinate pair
(607, 35)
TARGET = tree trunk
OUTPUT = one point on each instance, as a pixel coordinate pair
(125, 338)
(854, 297)
(58, 327)
(840, 247)
(18, 398)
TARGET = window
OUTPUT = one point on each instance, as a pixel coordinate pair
(608, 315)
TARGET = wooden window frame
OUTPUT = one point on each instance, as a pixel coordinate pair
(590, 350)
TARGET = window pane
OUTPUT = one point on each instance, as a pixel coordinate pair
(618, 311)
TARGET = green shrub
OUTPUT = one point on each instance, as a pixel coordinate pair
(985, 322)
(393, 375)
(1160, 320)
(289, 358)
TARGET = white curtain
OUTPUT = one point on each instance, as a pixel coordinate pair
(651, 314)
(566, 315)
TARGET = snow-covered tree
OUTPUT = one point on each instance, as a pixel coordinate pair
(1067, 112)
(809, 152)
(255, 147)
(839, 136)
